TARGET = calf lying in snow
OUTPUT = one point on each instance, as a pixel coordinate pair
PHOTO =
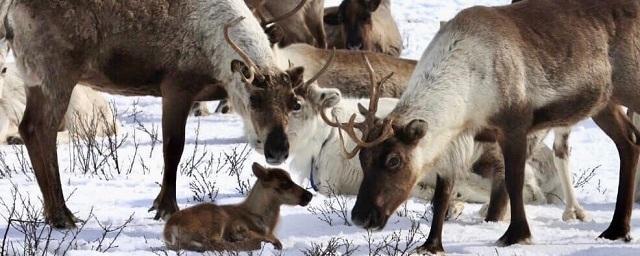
(241, 227)
(317, 154)
(88, 114)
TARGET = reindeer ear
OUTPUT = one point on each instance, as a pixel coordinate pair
(327, 97)
(414, 131)
(297, 76)
(259, 171)
(372, 5)
(333, 18)
(240, 67)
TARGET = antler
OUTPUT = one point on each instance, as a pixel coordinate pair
(368, 124)
(266, 23)
(323, 69)
(252, 66)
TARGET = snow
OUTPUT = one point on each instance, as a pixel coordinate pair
(113, 198)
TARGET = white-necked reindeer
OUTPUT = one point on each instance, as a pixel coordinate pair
(317, 156)
(499, 74)
(182, 51)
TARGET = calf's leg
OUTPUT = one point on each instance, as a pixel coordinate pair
(573, 210)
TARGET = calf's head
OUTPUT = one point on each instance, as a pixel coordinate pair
(355, 18)
(270, 100)
(277, 185)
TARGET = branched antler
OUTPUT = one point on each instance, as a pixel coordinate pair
(253, 68)
(370, 117)
(266, 23)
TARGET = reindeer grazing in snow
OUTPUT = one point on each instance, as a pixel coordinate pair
(240, 227)
(499, 74)
(183, 51)
(299, 21)
(363, 25)
(318, 156)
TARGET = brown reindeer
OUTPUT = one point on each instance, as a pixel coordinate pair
(363, 25)
(182, 51)
(239, 227)
(499, 74)
(303, 25)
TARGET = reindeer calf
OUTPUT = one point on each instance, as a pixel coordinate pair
(240, 227)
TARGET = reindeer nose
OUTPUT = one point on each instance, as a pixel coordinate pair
(306, 198)
(368, 217)
(276, 147)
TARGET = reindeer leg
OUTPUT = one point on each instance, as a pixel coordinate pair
(176, 104)
(573, 209)
(45, 108)
(440, 203)
(514, 150)
(635, 119)
(620, 129)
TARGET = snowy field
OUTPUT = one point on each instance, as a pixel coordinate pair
(113, 199)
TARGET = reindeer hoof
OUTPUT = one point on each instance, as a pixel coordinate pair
(277, 245)
(617, 233)
(516, 234)
(430, 248)
(62, 219)
(575, 214)
(164, 207)
(15, 140)
(454, 211)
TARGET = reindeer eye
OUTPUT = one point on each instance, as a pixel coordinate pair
(297, 106)
(4, 70)
(393, 161)
(286, 185)
(286, 79)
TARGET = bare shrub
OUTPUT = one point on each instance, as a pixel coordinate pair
(334, 206)
(235, 162)
(335, 246)
(397, 243)
(584, 177)
(16, 163)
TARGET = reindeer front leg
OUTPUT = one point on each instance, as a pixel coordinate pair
(46, 106)
(176, 104)
(440, 203)
(513, 143)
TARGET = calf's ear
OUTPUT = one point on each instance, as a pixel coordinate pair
(327, 97)
(259, 171)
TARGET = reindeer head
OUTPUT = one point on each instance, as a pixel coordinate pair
(278, 184)
(271, 101)
(355, 18)
(385, 156)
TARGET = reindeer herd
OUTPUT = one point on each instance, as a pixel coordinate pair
(463, 124)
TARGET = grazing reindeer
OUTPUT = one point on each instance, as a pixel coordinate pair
(182, 51)
(363, 25)
(496, 74)
(240, 227)
(86, 108)
(317, 155)
(299, 21)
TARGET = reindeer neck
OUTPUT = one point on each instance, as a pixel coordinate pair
(261, 204)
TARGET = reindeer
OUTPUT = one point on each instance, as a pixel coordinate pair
(488, 76)
(300, 21)
(239, 227)
(182, 51)
(86, 108)
(363, 25)
(318, 156)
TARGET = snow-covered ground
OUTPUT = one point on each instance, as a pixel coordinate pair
(104, 197)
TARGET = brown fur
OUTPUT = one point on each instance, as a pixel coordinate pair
(574, 58)
(239, 227)
(306, 26)
(146, 47)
